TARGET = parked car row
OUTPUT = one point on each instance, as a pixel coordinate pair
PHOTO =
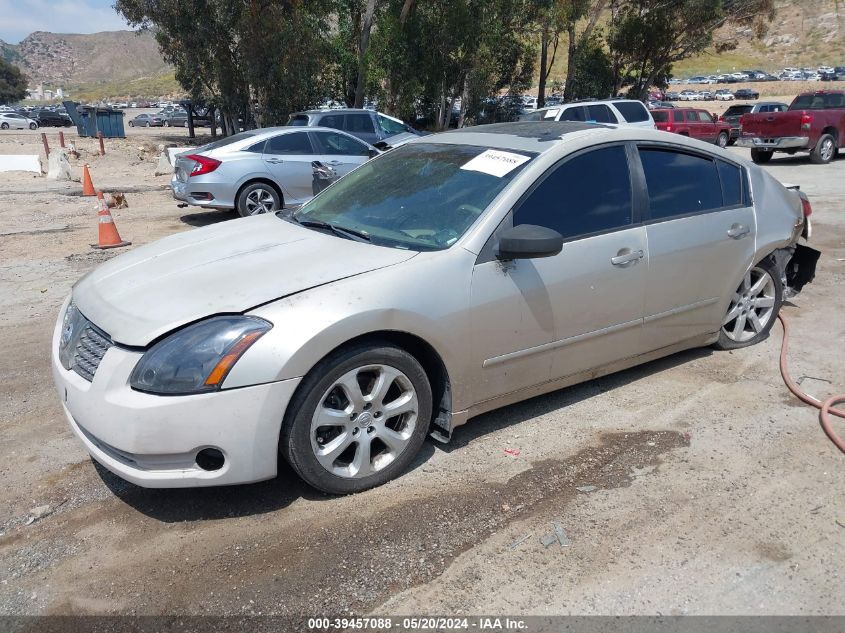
(707, 95)
(821, 73)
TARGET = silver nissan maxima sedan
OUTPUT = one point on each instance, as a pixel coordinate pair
(451, 276)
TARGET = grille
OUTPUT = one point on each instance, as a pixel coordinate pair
(90, 349)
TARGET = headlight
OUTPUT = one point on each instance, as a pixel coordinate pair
(72, 325)
(198, 358)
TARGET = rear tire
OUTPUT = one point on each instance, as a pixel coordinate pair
(753, 308)
(824, 151)
(392, 378)
(761, 157)
(258, 198)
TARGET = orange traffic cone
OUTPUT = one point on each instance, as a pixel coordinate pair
(87, 185)
(109, 237)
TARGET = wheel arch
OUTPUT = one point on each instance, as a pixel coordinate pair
(427, 356)
(256, 179)
(831, 129)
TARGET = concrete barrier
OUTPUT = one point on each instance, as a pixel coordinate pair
(20, 162)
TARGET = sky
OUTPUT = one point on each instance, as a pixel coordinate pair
(19, 18)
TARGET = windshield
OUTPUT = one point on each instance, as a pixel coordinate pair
(421, 196)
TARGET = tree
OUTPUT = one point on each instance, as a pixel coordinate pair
(591, 74)
(256, 60)
(647, 36)
(12, 83)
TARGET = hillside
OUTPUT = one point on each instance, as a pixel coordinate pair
(109, 60)
(806, 33)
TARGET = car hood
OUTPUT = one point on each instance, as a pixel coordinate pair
(226, 268)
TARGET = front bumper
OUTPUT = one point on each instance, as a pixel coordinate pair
(153, 441)
(783, 142)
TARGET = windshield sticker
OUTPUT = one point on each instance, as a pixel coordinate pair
(496, 163)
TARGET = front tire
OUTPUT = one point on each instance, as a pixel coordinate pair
(258, 198)
(4, 126)
(753, 308)
(824, 151)
(358, 419)
(761, 157)
(723, 139)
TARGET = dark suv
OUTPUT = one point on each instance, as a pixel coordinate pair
(372, 127)
(48, 118)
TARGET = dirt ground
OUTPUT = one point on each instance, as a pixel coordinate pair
(692, 485)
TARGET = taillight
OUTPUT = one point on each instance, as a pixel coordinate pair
(204, 164)
(805, 203)
(806, 120)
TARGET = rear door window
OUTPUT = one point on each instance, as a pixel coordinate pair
(359, 124)
(600, 113)
(575, 113)
(590, 193)
(331, 120)
(292, 143)
(677, 116)
(731, 177)
(692, 116)
(679, 183)
(633, 111)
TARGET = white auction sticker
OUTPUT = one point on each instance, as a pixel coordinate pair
(496, 163)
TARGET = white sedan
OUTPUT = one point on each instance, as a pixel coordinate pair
(15, 121)
(724, 95)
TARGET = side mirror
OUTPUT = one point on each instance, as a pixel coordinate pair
(527, 241)
(372, 153)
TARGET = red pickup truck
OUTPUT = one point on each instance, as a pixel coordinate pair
(815, 123)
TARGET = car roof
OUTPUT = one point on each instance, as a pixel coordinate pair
(333, 111)
(542, 136)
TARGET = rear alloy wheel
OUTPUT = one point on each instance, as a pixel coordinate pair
(761, 157)
(753, 308)
(186, 124)
(358, 419)
(722, 140)
(824, 151)
(258, 198)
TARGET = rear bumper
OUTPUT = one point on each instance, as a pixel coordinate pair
(222, 194)
(783, 142)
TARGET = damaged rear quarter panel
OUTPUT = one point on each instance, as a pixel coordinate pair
(777, 211)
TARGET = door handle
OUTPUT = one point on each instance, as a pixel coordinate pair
(626, 256)
(738, 231)
(274, 161)
(334, 162)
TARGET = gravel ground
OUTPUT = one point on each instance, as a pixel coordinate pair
(692, 485)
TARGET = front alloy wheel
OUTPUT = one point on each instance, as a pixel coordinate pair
(364, 421)
(358, 418)
(753, 308)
